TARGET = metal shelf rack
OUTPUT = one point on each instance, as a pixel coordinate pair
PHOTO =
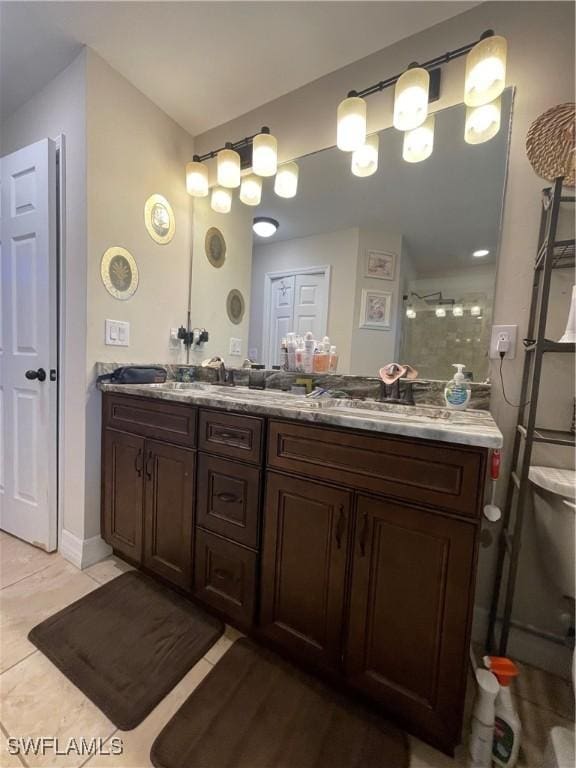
(551, 254)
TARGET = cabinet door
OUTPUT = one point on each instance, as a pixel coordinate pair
(304, 567)
(410, 610)
(122, 493)
(169, 512)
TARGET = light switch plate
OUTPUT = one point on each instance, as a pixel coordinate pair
(117, 333)
(235, 347)
(509, 332)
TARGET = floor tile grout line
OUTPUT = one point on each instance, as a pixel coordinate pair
(19, 661)
(28, 575)
(18, 755)
(114, 732)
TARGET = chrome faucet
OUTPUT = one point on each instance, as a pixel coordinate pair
(224, 378)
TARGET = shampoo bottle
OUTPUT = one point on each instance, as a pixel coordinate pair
(507, 725)
(457, 391)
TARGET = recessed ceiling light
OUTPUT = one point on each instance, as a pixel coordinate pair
(480, 252)
(265, 226)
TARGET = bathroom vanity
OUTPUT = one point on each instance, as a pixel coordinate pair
(344, 534)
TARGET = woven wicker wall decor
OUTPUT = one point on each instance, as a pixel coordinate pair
(551, 142)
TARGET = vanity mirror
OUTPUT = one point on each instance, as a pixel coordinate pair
(396, 266)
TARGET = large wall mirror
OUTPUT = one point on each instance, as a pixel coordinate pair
(398, 266)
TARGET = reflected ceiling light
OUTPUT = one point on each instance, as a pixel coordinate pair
(197, 178)
(480, 253)
(410, 312)
(485, 76)
(264, 153)
(351, 123)
(411, 98)
(251, 190)
(221, 200)
(419, 142)
(440, 311)
(475, 311)
(482, 123)
(264, 226)
(458, 310)
(286, 181)
(365, 159)
(228, 167)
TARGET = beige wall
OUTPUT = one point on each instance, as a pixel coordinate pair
(211, 285)
(541, 66)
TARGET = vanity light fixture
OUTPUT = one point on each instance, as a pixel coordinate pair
(411, 98)
(440, 311)
(365, 158)
(228, 167)
(197, 178)
(419, 142)
(251, 190)
(264, 153)
(286, 181)
(457, 310)
(482, 123)
(264, 226)
(351, 123)
(480, 253)
(410, 312)
(221, 200)
(485, 70)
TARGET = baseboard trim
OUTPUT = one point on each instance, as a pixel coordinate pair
(83, 552)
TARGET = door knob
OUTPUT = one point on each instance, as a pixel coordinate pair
(40, 374)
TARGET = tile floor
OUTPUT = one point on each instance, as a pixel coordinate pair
(37, 700)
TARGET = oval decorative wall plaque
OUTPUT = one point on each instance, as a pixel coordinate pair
(235, 306)
(215, 247)
(159, 219)
(119, 272)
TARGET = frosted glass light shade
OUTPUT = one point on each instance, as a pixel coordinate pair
(482, 123)
(286, 181)
(485, 76)
(197, 179)
(419, 142)
(351, 124)
(221, 200)
(458, 310)
(365, 159)
(440, 311)
(476, 310)
(410, 313)
(264, 154)
(228, 168)
(411, 99)
(251, 190)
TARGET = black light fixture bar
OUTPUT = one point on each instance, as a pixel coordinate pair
(237, 146)
(432, 66)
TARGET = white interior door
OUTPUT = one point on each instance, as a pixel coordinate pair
(281, 318)
(309, 304)
(28, 345)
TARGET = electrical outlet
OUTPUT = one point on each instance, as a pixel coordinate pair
(503, 338)
(235, 347)
(117, 333)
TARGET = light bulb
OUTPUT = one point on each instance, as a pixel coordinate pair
(482, 123)
(264, 154)
(480, 253)
(264, 226)
(351, 124)
(365, 158)
(286, 181)
(411, 99)
(251, 190)
(475, 311)
(419, 142)
(458, 310)
(485, 76)
(197, 179)
(228, 168)
(440, 311)
(221, 200)
(410, 312)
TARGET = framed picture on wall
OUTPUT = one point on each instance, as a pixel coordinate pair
(376, 310)
(380, 264)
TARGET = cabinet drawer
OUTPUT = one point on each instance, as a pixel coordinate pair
(239, 437)
(435, 475)
(225, 576)
(229, 499)
(158, 419)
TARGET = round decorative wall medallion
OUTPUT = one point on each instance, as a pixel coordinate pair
(119, 273)
(235, 306)
(215, 247)
(159, 219)
(551, 144)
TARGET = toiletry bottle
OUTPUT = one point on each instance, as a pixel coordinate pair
(284, 355)
(321, 360)
(309, 346)
(482, 730)
(507, 725)
(291, 347)
(457, 391)
(333, 359)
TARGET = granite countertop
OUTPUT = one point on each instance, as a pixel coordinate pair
(476, 428)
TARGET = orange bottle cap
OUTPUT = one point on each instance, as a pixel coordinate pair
(503, 668)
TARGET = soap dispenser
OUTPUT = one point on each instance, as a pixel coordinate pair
(457, 392)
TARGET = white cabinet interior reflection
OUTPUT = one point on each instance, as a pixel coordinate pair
(397, 266)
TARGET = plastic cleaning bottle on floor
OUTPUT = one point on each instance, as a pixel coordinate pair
(482, 731)
(507, 725)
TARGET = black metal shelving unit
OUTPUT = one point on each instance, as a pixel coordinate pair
(552, 254)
